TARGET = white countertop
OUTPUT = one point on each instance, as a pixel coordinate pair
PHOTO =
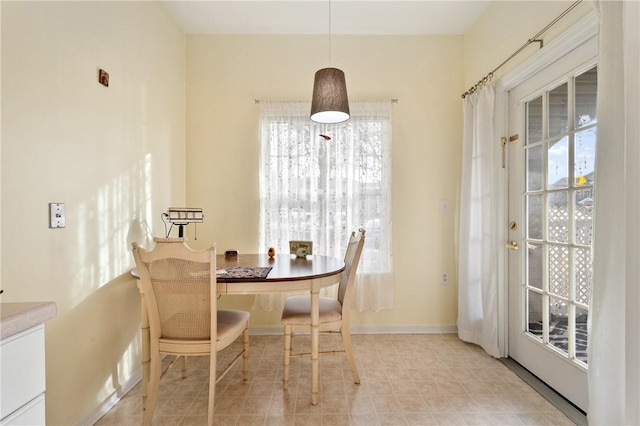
(20, 316)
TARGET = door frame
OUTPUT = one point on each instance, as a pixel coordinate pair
(579, 33)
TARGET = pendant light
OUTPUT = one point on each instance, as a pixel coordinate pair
(329, 103)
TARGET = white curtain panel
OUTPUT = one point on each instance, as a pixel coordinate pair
(320, 182)
(477, 268)
(614, 338)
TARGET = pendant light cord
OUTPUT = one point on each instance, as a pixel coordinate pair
(330, 44)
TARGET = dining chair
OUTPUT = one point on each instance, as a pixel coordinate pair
(334, 312)
(179, 285)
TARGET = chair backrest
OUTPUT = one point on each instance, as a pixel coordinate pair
(351, 260)
(177, 283)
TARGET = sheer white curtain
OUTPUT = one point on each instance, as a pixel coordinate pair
(477, 253)
(320, 182)
(614, 338)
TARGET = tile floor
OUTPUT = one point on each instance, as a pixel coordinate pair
(406, 380)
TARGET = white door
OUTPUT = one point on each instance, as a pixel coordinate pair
(551, 202)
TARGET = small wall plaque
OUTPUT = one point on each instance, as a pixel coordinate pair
(103, 77)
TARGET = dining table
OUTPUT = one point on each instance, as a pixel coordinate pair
(259, 274)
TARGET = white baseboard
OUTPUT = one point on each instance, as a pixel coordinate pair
(96, 414)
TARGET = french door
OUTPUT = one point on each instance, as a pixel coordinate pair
(552, 123)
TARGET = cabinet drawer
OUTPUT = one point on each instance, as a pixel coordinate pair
(22, 369)
(32, 414)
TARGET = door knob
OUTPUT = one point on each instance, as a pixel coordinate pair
(513, 245)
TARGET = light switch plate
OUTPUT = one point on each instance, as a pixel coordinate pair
(57, 215)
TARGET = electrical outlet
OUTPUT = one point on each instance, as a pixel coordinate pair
(444, 278)
(57, 215)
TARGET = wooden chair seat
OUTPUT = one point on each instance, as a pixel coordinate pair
(297, 310)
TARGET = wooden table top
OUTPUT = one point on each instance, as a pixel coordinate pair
(285, 267)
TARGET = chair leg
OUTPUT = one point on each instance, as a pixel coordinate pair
(212, 384)
(348, 351)
(152, 387)
(287, 356)
(245, 354)
(183, 365)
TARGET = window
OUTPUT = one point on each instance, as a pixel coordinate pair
(319, 182)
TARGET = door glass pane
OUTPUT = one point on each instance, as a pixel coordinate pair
(558, 324)
(558, 110)
(583, 216)
(534, 313)
(584, 162)
(534, 265)
(581, 334)
(586, 86)
(534, 168)
(534, 217)
(558, 217)
(534, 120)
(583, 274)
(558, 160)
(559, 272)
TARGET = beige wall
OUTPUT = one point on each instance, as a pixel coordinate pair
(224, 76)
(505, 26)
(111, 154)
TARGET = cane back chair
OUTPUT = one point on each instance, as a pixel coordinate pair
(179, 287)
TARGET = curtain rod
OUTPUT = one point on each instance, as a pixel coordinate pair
(393, 101)
(533, 39)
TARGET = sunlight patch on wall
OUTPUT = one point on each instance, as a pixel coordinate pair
(116, 382)
(105, 225)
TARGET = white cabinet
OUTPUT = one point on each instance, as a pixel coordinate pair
(22, 362)
(22, 377)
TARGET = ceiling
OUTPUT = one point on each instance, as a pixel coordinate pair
(377, 17)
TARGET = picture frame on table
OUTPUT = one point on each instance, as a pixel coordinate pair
(301, 248)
